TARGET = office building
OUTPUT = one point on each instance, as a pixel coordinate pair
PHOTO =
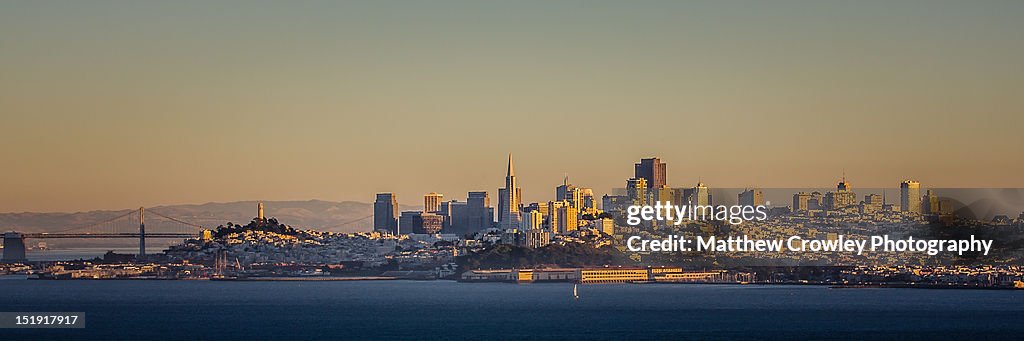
(636, 190)
(430, 223)
(873, 202)
(698, 195)
(651, 170)
(432, 202)
(537, 238)
(801, 201)
(456, 218)
(385, 213)
(532, 220)
(843, 197)
(410, 221)
(569, 193)
(751, 197)
(479, 213)
(910, 196)
(509, 199)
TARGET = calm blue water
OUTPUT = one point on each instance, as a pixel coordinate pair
(441, 309)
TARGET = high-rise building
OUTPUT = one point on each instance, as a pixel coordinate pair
(569, 193)
(509, 199)
(910, 196)
(562, 218)
(801, 201)
(751, 197)
(843, 196)
(588, 199)
(930, 204)
(668, 194)
(651, 170)
(430, 223)
(479, 214)
(532, 220)
(636, 190)
(432, 202)
(614, 203)
(698, 195)
(873, 202)
(410, 221)
(456, 218)
(385, 213)
(420, 222)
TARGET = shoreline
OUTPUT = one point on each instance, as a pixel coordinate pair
(388, 278)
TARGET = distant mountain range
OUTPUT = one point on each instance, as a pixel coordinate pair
(347, 216)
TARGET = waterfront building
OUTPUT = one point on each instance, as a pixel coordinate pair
(385, 213)
(614, 275)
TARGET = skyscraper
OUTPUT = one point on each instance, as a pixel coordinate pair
(751, 197)
(702, 195)
(636, 191)
(569, 193)
(432, 202)
(479, 214)
(509, 199)
(455, 217)
(411, 221)
(801, 201)
(843, 196)
(385, 213)
(651, 170)
(910, 196)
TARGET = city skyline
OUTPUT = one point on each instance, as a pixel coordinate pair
(110, 105)
(542, 194)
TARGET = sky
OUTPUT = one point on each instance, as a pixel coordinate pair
(120, 104)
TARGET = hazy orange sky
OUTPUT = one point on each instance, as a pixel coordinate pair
(110, 105)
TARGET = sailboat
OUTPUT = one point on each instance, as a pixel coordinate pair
(574, 293)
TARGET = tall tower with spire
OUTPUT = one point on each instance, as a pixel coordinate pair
(509, 199)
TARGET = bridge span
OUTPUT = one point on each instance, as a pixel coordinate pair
(14, 242)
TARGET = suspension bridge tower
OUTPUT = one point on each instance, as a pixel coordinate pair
(142, 232)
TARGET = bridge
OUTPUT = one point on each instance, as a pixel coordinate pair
(122, 226)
